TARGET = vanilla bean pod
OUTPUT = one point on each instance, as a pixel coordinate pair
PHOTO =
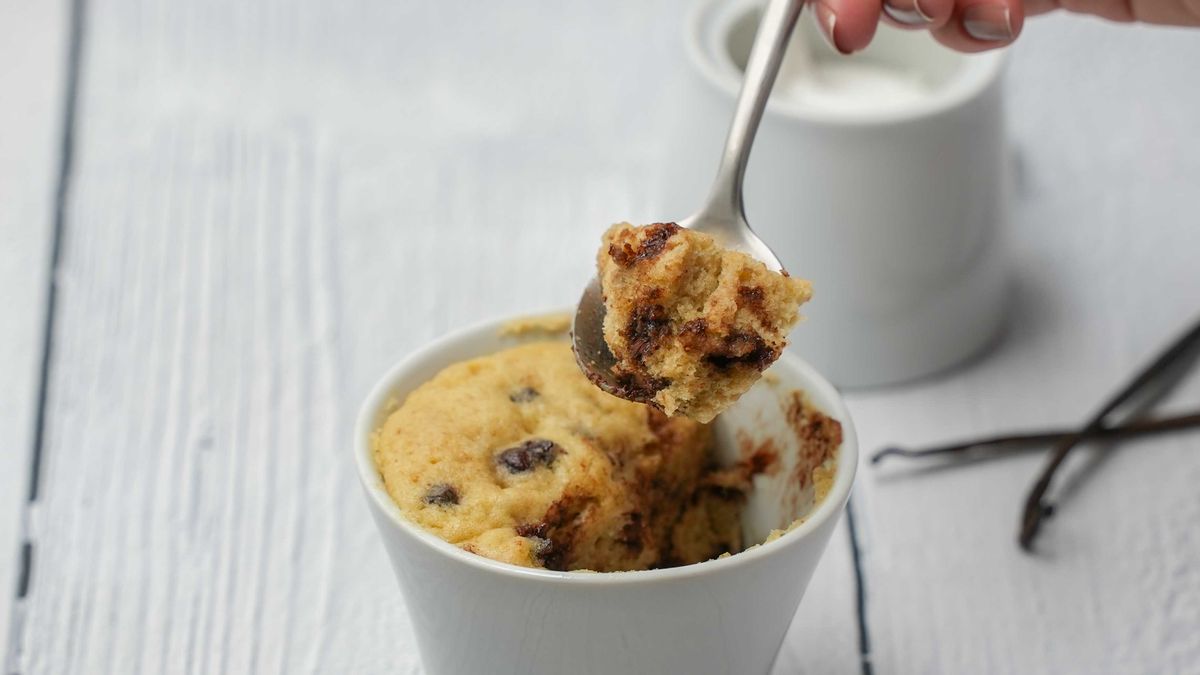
(1014, 442)
(1036, 508)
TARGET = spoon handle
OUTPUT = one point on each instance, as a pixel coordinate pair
(724, 203)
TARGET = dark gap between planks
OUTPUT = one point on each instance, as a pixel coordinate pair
(62, 191)
(860, 594)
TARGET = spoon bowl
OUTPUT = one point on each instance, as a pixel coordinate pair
(587, 339)
(735, 235)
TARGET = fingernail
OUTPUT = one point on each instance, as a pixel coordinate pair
(990, 23)
(909, 17)
(828, 22)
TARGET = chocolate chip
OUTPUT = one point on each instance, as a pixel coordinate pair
(745, 348)
(652, 244)
(637, 387)
(633, 532)
(753, 296)
(529, 455)
(741, 348)
(648, 325)
(693, 335)
(531, 530)
(553, 536)
(524, 395)
(441, 495)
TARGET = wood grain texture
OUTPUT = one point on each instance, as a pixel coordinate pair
(275, 201)
(1105, 236)
(32, 50)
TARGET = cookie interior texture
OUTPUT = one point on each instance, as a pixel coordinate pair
(692, 325)
(517, 457)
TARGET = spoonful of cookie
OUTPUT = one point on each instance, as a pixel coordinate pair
(675, 343)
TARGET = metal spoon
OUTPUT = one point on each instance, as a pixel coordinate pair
(722, 215)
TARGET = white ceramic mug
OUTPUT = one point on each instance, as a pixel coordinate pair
(891, 202)
(729, 615)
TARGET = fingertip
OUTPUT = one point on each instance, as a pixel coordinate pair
(982, 25)
(849, 24)
(918, 14)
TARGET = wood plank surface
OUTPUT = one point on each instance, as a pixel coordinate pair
(1105, 239)
(274, 202)
(32, 54)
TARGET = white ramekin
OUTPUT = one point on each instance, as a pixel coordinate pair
(895, 212)
(476, 615)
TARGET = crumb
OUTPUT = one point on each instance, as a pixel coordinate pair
(558, 323)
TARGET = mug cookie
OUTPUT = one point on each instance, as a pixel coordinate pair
(517, 457)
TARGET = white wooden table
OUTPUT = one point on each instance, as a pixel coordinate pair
(253, 208)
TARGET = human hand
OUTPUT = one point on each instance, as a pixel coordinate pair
(979, 25)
